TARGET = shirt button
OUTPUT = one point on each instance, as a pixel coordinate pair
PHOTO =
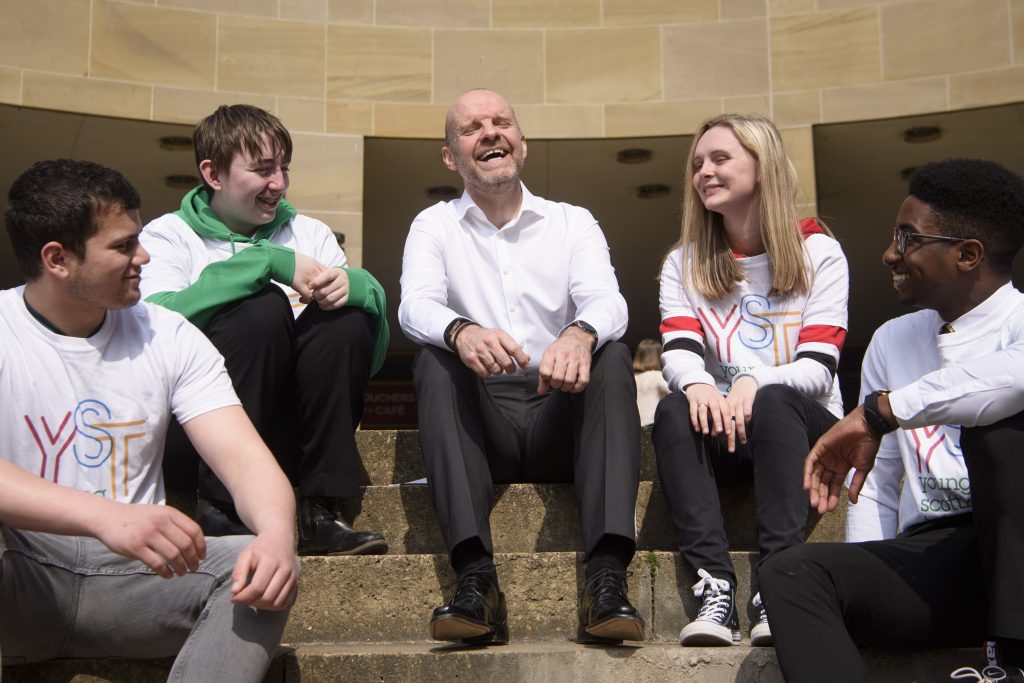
(512, 308)
(505, 272)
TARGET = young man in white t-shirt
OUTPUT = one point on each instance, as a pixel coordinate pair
(951, 577)
(92, 564)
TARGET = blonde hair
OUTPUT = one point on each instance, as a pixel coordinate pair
(647, 356)
(713, 270)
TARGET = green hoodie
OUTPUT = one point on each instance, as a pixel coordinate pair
(250, 270)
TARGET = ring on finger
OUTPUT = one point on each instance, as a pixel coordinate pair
(702, 405)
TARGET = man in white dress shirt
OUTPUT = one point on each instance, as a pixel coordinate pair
(520, 379)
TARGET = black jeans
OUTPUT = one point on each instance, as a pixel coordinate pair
(947, 582)
(784, 424)
(301, 381)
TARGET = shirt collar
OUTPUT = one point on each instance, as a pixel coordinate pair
(530, 204)
(995, 305)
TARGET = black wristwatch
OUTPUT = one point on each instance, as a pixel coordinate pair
(586, 327)
(873, 416)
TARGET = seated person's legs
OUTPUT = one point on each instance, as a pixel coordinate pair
(461, 431)
(333, 354)
(993, 457)
(783, 424)
(921, 589)
(256, 338)
(84, 601)
(689, 465)
(604, 444)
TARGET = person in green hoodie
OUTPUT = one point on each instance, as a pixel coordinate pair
(301, 332)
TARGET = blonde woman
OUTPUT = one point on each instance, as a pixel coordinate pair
(753, 307)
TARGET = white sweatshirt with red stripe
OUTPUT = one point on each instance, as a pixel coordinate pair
(793, 340)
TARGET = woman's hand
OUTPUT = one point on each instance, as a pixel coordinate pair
(709, 411)
(741, 405)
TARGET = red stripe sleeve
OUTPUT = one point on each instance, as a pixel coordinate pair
(822, 334)
(681, 323)
(810, 226)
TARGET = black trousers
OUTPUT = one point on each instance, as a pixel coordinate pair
(477, 433)
(301, 381)
(784, 424)
(943, 583)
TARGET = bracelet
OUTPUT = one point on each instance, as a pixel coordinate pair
(873, 416)
(459, 329)
(450, 331)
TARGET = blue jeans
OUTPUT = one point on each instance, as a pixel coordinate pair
(68, 596)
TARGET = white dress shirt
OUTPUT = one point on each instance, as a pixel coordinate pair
(531, 277)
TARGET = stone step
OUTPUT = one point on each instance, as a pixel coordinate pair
(544, 517)
(533, 662)
(561, 662)
(393, 456)
(389, 598)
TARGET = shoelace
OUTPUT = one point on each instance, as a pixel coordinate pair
(716, 596)
(762, 614)
(990, 674)
(472, 586)
(607, 580)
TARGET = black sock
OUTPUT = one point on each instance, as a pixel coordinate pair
(1012, 651)
(611, 552)
(470, 555)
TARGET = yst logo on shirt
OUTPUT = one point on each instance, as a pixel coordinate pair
(940, 447)
(89, 437)
(752, 324)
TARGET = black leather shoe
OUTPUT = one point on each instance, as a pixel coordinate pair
(476, 612)
(216, 522)
(322, 533)
(605, 613)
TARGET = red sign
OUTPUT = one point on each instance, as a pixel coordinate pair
(390, 405)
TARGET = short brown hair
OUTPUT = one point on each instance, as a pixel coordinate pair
(239, 127)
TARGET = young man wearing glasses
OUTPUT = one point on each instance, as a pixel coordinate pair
(951, 576)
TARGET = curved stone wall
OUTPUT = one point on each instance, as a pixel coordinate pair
(338, 70)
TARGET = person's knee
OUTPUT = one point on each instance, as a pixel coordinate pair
(222, 555)
(260, 315)
(612, 365)
(434, 364)
(782, 571)
(672, 416)
(776, 398)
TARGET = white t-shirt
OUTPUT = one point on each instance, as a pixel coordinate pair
(750, 332)
(178, 254)
(905, 355)
(92, 414)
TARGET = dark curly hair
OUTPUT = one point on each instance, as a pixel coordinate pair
(62, 201)
(976, 199)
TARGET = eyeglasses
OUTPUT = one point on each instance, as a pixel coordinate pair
(903, 237)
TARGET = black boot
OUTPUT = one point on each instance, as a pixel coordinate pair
(605, 613)
(321, 532)
(476, 612)
(215, 521)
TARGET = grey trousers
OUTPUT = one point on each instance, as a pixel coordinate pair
(477, 433)
(67, 596)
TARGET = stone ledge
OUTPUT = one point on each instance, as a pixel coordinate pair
(534, 662)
